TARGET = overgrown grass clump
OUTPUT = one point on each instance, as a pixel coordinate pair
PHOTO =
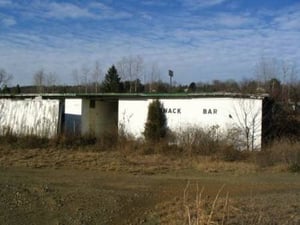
(281, 152)
(191, 143)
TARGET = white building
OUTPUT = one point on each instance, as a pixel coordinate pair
(96, 114)
(30, 117)
(224, 113)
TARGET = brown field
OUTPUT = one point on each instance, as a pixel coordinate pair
(63, 186)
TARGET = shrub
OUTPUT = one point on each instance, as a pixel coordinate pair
(107, 140)
(156, 124)
(27, 141)
(229, 154)
(264, 158)
(280, 152)
(195, 140)
(294, 168)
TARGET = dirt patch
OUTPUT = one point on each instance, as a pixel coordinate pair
(40, 186)
(47, 196)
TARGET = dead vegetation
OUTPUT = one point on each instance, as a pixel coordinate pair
(245, 199)
(198, 150)
(197, 207)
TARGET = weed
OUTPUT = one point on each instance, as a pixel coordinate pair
(294, 168)
(280, 152)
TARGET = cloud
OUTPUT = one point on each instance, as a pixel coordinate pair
(218, 20)
(154, 3)
(230, 20)
(5, 2)
(197, 46)
(54, 10)
(7, 21)
(289, 21)
(103, 11)
(203, 3)
(67, 10)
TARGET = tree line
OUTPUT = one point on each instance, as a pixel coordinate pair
(278, 79)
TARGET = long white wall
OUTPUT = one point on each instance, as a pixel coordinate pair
(225, 113)
(29, 117)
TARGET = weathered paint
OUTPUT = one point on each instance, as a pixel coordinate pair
(224, 113)
(99, 117)
(29, 117)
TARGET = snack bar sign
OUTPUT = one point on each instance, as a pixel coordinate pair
(205, 111)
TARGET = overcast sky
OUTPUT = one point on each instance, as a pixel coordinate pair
(200, 40)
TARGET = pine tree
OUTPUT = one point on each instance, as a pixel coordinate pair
(156, 125)
(111, 81)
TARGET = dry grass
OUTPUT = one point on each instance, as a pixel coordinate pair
(89, 159)
(281, 153)
(132, 158)
(134, 155)
(212, 165)
(197, 207)
(200, 212)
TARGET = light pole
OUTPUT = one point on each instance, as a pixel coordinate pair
(171, 74)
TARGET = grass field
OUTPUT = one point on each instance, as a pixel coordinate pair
(63, 186)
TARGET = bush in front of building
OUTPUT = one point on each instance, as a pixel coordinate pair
(156, 124)
(207, 142)
(196, 140)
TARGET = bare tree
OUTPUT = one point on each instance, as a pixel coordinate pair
(76, 77)
(267, 69)
(96, 76)
(51, 81)
(125, 68)
(132, 69)
(289, 80)
(279, 79)
(39, 80)
(85, 71)
(154, 77)
(82, 78)
(4, 78)
(138, 70)
(250, 86)
(247, 123)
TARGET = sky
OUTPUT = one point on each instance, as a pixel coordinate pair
(200, 40)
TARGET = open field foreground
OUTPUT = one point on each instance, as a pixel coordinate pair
(87, 187)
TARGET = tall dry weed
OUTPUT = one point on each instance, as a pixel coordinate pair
(284, 152)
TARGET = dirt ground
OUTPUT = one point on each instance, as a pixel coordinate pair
(87, 187)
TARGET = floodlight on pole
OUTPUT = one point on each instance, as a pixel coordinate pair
(171, 74)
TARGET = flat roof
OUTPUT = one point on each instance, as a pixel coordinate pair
(117, 96)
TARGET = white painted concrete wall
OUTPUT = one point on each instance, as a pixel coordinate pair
(29, 117)
(226, 113)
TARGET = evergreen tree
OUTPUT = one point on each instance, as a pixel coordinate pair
(5, 90)
(111, 81)
(156, 125)
(18, 89)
